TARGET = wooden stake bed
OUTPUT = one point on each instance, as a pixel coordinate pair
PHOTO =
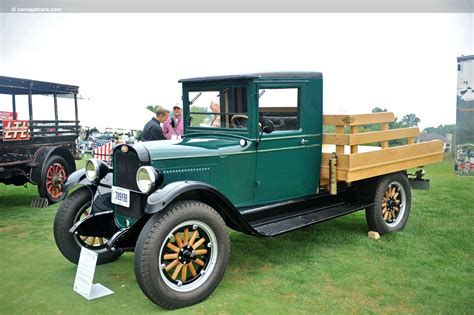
(356, 162)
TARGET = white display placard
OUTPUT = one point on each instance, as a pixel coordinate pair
(83, 284)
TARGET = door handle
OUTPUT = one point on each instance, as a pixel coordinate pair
(304, 141)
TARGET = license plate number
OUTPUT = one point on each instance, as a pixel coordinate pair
(120, 196)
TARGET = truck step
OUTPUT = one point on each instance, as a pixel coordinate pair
(294, 222)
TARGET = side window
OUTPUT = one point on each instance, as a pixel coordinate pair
(281, 106)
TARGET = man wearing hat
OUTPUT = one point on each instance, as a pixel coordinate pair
(173, 126)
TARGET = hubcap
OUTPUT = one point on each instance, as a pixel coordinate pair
(393, 204)
(188, 256)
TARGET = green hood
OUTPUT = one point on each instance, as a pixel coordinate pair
(196, 147)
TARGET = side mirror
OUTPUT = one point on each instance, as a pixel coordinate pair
(267, 125)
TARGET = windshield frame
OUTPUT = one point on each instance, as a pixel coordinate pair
(216, 86)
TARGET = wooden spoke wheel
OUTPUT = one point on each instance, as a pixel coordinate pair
(181, 254)
(189, 252)
(76, 207)
(392, 203)
(98, 244)
(55, 179)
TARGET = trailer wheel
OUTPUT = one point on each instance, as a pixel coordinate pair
(55, 172)
(76, 206)
(392, 203)
(181, 254)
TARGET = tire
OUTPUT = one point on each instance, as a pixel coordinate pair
(392, 203)
(54, 175)
(204, 264)
(72, 210)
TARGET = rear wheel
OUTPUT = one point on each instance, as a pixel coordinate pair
(55, 172)
(181, 255)
(392, 203)
(75, 208)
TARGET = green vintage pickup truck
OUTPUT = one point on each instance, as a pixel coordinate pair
(253, 159)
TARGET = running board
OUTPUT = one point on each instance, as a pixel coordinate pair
(300, 220)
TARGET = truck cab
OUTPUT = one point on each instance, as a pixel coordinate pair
(253, 166)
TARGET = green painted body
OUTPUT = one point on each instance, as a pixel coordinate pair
(279, 168)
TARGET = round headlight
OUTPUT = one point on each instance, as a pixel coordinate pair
(146, 178)
(92, 170)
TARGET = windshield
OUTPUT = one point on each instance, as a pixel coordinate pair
(225, 107)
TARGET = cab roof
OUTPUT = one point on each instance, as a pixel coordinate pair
(17, 86)
(263, 75)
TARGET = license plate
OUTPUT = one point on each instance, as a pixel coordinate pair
(121, 196)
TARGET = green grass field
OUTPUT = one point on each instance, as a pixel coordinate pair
(332, 267)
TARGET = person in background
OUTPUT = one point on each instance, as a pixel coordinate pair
(152, 130)
(216, 121)
(173, 126)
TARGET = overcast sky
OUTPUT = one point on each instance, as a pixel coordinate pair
(123, 62)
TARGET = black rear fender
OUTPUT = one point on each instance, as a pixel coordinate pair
(42, 156)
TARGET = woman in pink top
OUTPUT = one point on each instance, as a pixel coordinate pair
(173, 127)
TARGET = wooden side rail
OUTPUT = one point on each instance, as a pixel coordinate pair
(358, 120)
(370, 137)
(371, 161)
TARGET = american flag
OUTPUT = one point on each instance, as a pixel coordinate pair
(102, 149)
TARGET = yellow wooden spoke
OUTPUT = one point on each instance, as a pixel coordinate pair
(184, 273)
(172, 247)
(92, 242)
(385, 216)
(186, 234)
(200, 252)
(101, 241)
(199, 243)
(170, 256)
(171, 265)
(84, 238)
(178, 240)
(199, 262)
(176, 271)
(193, 237)
(384, 209)
(191, 268)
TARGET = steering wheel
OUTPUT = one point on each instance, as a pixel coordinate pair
(239, 121)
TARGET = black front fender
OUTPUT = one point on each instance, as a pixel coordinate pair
(75, 178)
(158, 200)
(161, 198)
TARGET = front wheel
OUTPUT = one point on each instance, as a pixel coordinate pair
(76, 207)
(181, 254)
(392, 203)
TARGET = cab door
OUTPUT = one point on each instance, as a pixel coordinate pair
(288, 159)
